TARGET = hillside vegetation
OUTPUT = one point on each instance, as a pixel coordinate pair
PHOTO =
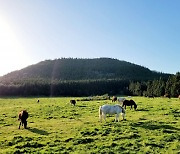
(85, 77)
(55, 126)
(82, 69)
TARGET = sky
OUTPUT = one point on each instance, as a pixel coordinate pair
(143, 32)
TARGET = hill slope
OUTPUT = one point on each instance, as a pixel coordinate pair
(82, 69)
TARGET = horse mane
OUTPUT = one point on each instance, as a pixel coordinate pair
(23, 113)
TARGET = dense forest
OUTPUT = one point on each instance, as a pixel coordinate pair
(157, 88)
(87, 77)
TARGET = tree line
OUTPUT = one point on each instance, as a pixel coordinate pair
(65, 88)
(42, 87)
(157, 88)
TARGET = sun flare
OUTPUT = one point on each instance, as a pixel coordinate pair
(11, 49)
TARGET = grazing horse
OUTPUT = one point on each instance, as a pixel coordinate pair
(129, 103)
(167, 96)
(23, 115)
(73, 102)
(114, 99)
(111, 109)
(121, 99)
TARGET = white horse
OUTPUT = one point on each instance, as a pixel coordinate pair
(111, 109)
(121, 99)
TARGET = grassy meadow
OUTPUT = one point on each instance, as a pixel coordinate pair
(56, 126)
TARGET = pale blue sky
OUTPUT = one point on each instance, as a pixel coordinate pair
(144, 32)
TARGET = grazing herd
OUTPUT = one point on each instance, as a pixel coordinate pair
(103, 110)
(116, 109)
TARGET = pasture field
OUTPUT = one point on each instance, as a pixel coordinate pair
(56, 126)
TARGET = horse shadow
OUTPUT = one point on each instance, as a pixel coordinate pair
(142, 110)
(38, 131)
(82, 106)
(150, 126)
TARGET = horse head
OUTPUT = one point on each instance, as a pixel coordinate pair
(133, 103)
(135, 106)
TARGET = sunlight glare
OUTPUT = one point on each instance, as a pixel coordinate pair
(12, 55)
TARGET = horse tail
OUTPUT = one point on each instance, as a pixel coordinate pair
(100, 113)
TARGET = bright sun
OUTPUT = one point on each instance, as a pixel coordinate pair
(12, 55)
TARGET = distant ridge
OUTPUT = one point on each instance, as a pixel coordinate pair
(83, 69)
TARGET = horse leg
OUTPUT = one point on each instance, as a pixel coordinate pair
(117, 117)
(19, 124)
(100, 118)
(25, 124)
(104, 116)
(123, 115)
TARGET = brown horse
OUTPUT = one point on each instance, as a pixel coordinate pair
(114, 99)
(129, 103)
(23, 115)
(167, 96)
(73, 102)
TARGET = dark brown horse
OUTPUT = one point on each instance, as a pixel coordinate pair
(129, 103)
(73, 102)
(23, 115)
(114, 99)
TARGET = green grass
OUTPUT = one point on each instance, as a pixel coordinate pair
(55, 126)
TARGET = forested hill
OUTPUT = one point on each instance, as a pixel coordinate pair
(83, 69)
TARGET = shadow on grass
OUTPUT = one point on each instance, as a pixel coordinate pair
(150, 126)
(142, 110)
(81, 105)
(38, 131)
